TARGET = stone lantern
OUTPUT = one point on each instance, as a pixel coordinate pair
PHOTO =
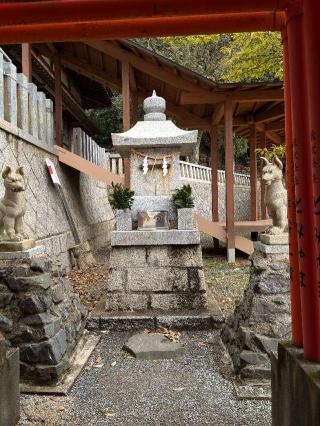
(154, 265)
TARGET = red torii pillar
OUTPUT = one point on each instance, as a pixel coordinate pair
(296, 320)
(311, 20)
(302, 154)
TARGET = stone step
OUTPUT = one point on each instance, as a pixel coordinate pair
(205, 319)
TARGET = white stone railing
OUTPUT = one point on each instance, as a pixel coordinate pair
(195, 172)
(22, 108)
(84, 146)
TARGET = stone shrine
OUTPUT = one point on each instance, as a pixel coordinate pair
(155, 268)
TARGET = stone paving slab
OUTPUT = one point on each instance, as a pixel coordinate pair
(152, 346)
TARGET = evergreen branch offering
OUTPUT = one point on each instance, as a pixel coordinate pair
(182, 198)
(121, 198)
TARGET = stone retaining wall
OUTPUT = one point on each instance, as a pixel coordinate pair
(41, 314)
(261, 317)
(45, 218)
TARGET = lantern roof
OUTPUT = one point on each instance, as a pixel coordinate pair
(155, 131)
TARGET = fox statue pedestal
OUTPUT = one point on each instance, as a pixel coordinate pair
(14, 246)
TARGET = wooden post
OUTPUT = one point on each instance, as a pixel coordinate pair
(253, 178)
(26, 61)
(135, 108)
(229, 166)
(126, 114)
(253, 173)
(58, 100)
(263, 187)
(214, 178)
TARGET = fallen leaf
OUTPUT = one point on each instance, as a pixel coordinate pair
(178, 389)
(113, 363)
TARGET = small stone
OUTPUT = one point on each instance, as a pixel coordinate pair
(152, 346)
(272, 284)
(5, 299)
(267, 344)
(58, 293)
(5, 324)
(48, 352)
(256, 372)
(42, 281)
(34, 304)
(39, 319)
(40, 264)
(251, 357)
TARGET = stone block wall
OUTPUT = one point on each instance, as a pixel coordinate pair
(45, 218)
(41, 314)
(156, 277)
(261, 317)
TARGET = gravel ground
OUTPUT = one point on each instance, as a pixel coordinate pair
(115, 389)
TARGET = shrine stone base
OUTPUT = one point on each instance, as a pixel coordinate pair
(148, 277)
(295, 388)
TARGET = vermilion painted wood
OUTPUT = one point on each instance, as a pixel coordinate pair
(137, 28)
(302, 154)
(36, 12)
(296, 320)
(312, 37)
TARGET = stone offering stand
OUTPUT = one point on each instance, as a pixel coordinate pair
(155, 270)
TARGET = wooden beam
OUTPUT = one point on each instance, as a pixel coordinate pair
(269, 134)
(214, 179)
(144, 65)
(229, 168)
(87, 167)
(26, 61)
(196, 98)
(125, 73)
(218, 114)
(269, 114)
(275, 125)
(58, 101)
(253, 173)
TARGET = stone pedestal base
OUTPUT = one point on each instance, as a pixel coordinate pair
(156, 278)
(282, 239)
(262, 317)
(6, 246)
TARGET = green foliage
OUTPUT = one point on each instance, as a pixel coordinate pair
(269, 153)
(240, 57)
(253, 57)
(121, 198)
(182, 198)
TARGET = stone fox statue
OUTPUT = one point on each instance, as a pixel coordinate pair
(276, 195)
(13, 205)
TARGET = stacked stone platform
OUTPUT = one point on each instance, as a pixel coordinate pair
(166, 277)
(41, 314)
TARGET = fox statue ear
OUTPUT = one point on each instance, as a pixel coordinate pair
(20, 171)
(277, 162)
(6, 171)
(265, 161)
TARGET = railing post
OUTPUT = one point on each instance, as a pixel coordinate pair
(49, 127)
(10, 93)
(42, 119)
(22, 93)
(229, 165)
(32, 106)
